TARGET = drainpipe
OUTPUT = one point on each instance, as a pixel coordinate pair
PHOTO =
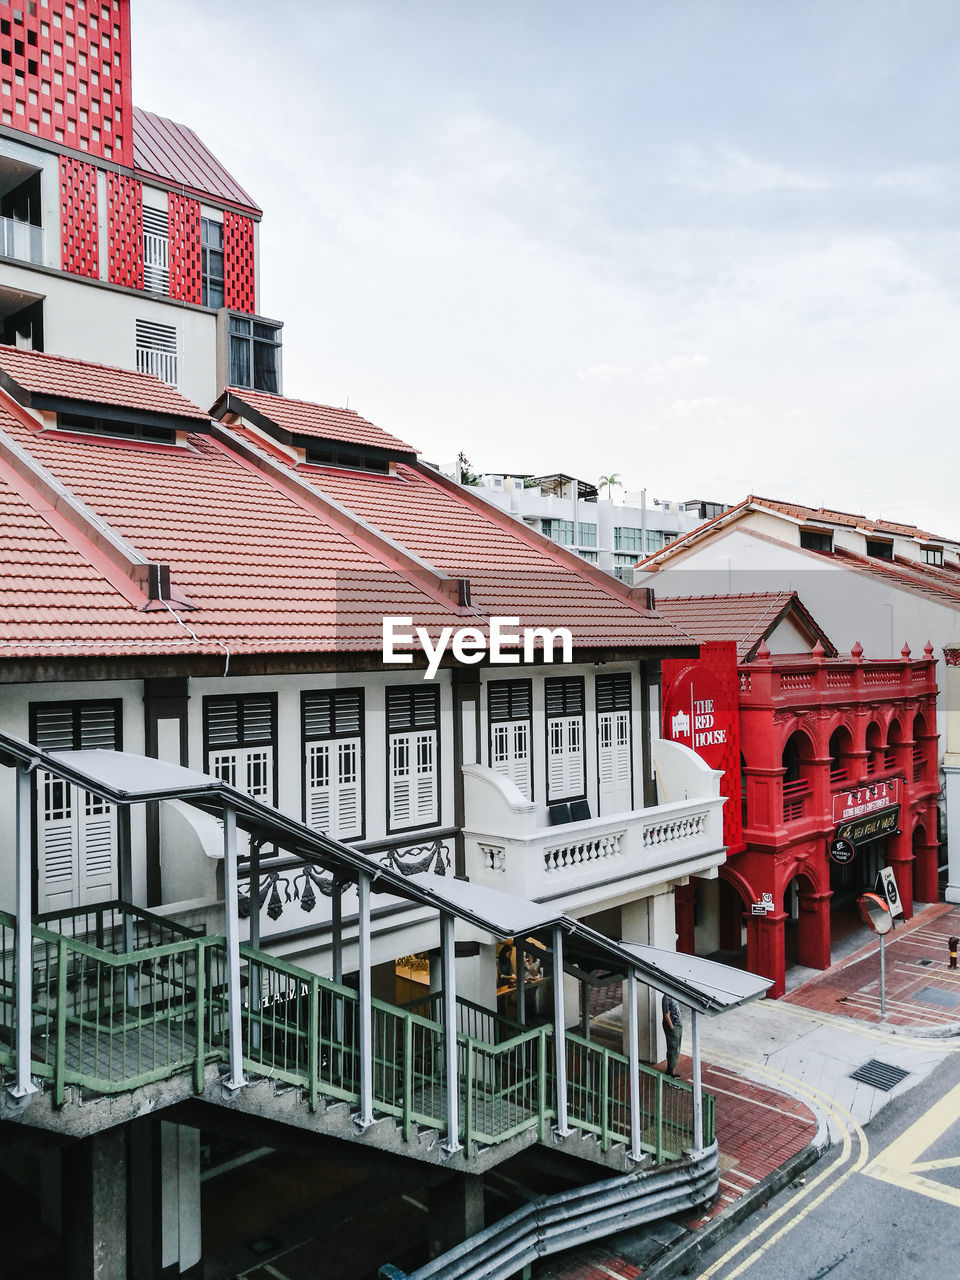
(24, 1086)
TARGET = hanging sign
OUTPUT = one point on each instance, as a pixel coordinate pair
(697, 713)
(863, 830)
(842, 851)
(861, 801)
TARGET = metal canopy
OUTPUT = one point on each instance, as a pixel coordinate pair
(710, 987)
(124, 779)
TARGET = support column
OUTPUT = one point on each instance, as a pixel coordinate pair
(455, 1212)
(685, 901)
(766, 950)
(560, 1033)
(236, 1079)
(24, 1086)
(813, 930)
(651, 921)
(633, 1052)
(364, 1117)
(926, 872)
(449, 965)
(94, 1197)
(697, 1081)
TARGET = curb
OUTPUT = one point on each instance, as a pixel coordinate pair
(926, 1033)
(684, 1258)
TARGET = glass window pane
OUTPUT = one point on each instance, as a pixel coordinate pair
(239, 362)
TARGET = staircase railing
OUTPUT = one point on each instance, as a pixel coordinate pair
(112, 1020)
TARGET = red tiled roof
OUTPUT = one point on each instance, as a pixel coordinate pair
(174, 153)
(746, 619)
(69, 379)
(846, 519)
(322, 421)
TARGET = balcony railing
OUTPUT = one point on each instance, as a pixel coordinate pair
(21, 240)
(794, 799)
(788, 681)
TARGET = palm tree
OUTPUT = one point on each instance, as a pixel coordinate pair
(610, 481)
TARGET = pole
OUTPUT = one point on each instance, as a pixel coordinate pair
(364, 1118)
(697, 1082)
(633, 1049)
(255, 937)
(24, 1086)
(560, 1032)
(448, 965)
(883, 977)
(234, 1020)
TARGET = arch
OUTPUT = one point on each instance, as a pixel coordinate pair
(920, 740)
(893, 755)
(797, 762)
(808, 910)
(843, 760)
(876, 747)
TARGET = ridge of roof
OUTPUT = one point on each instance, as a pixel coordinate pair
(174, 153)
(309, 418)
(39, 373)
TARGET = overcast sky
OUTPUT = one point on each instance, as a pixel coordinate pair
(713, 246)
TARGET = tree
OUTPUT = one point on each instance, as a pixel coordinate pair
(610, 481)
(467, 476)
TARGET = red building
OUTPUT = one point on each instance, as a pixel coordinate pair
(831, 747)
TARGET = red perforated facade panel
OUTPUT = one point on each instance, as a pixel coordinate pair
(238, 265)
(79, 244)
(65, 74)
(184, 219)
(125, 230)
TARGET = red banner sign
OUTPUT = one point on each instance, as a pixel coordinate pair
(697, 714)
(861, 801)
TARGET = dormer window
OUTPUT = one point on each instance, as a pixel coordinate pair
(346, 459)
(96, 425)
(879, 549)
(932, 555)
(816, 539)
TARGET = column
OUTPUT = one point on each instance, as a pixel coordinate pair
(766, 950)
(236, 1078)
(685, 899)
(813, 929)
(24, 971)
(651, 921)
(94, 1199)
(364, 1118)
(455, 1212)
(560, 1033)
(448, 960)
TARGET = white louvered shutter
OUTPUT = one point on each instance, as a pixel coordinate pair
(333, 788)
(57, 845)
(402, 805)
(565, 777)
(413, 717)
(615, 764)
(509, 705)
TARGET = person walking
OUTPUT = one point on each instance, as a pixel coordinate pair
(673, 1030)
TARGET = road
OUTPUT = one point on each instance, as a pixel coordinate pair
(884, 1202)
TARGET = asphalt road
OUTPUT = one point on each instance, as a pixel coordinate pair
(883, 1203)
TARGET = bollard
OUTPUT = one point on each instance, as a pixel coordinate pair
(952, 943)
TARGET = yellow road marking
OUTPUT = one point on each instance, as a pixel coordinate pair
(850, 1126)
(859, 1028)
(898, 1164)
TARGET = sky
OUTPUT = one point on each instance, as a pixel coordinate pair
(710, 245)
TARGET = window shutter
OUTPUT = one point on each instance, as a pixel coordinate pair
(319, 815)
(401, 781)
(615, 762)
(223, 722)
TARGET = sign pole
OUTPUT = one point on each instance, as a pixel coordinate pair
(883, 977)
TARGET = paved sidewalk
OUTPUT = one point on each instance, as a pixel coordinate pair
(805, 1046)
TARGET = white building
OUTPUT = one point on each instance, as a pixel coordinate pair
(609, 531)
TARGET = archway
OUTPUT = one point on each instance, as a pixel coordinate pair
(875, 748)
(842, 756)
(807, 924)
(797, 761)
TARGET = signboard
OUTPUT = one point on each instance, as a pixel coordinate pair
(863, 830)
(888, 886)
(842, 851)
(698, 714)
(763, 906)
(861, 801)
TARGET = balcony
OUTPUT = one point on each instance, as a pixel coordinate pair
(813, 680)
(21, 240)
(509, 846)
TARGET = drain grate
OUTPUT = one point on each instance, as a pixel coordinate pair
(879, 1075)
(925, 962)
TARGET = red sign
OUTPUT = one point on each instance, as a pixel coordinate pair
(697, 713)
(860, 801)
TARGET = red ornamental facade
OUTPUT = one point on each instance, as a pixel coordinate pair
(830, 748)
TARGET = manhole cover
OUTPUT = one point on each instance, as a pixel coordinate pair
(879, 1075)
(937, 995)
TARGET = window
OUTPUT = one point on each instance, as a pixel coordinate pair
(587, 535)
(76, 831)
(932, 555)
(615, 743)
(157, 350)
(95, 425)
(591, 557)
(351, 460)
(623, 568)
(880, 549)
(654, 541)
(239, 736)
(816, 540)
(559, 530)
(156, 251)
(509, 704)
(628, 539)
(333, 762)
(566, 777)
(413, 753)
(211, 265)
(254, 354)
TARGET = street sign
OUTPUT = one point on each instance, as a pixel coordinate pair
(888, 886)
(842, 851)
(765, 905)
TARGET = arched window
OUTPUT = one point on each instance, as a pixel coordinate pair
(875, 748)
(842, 763)
(797, 762)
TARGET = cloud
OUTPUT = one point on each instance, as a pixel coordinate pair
(605, 372)
(732, 172)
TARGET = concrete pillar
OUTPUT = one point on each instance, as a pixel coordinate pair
(951, 789)
(926, 876)
(813, 930)
(766, 950)
(455, 1212)
(685, 896)
(651, 921)
(165, 1219)
(94, 1216)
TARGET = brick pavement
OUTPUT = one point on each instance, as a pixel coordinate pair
(922, 991)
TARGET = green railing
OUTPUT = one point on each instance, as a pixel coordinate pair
(111, 1020)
